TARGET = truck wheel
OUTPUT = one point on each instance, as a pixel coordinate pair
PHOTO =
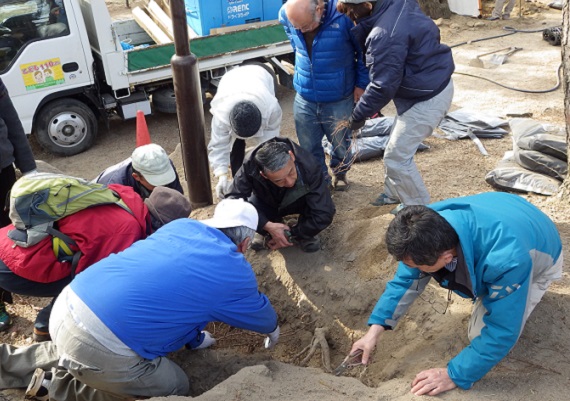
(163, 100)
(66, 127)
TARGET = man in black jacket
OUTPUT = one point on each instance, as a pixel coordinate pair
(280, 178)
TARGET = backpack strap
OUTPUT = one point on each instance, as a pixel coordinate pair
(69, 242)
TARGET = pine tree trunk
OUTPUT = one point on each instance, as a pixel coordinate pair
(565, 189)
(435, 8)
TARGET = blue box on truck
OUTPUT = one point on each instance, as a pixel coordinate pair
(204, 15)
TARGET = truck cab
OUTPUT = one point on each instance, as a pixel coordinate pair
(46, 63)
(67, 65)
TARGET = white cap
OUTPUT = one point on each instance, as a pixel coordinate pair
(153, 163)
(233, 213)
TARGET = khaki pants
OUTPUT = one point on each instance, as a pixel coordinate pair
(544, 272)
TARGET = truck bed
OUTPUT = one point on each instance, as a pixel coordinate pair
(215, 50)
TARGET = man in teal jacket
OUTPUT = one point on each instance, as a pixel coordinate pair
(494, 248)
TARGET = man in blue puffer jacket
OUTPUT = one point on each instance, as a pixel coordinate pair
(495, 248)
(329, 78)
(407, 64)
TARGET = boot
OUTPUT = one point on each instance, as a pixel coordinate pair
(41, 326)
(5, 319)
(258, 243)
(309, 245)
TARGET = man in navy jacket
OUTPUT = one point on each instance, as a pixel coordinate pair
(407, 64)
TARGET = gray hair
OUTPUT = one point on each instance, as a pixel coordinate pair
(272, 156)
(238, 234)
(313, 8)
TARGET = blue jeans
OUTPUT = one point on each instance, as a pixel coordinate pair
(315, 120)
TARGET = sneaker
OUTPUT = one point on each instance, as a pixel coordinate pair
(38, 388)
(5, 318)
(493, 18)
(309, 245)
(258, 243)
(506, 16)
(397, 209)
(40, 335)
(340, 182)
(384, 200)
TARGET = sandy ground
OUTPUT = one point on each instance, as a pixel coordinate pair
(337, 287)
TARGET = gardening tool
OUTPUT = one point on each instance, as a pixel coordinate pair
(352, 360)
(477, 62)
(498, 59)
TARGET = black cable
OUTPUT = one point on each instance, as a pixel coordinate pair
(510, 29)
(517, 89)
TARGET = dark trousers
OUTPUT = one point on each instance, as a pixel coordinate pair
(7, 179)
(237, 155)
(276, 215)
(18, 285)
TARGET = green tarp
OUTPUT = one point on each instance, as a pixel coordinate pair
(207, 46)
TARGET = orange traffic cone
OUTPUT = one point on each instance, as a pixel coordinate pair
(143, 137)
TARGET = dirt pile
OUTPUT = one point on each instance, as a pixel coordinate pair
(338, 287)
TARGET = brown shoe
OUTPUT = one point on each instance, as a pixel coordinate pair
(41, 336)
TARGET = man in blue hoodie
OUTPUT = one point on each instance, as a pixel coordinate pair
(407, 64)
(329, 78)
(113, 328)
(494, 248)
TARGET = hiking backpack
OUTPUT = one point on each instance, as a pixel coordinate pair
(38, 201)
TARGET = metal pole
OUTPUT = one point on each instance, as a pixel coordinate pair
(190, 111)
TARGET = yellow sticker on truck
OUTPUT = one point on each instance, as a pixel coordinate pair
(42, 74)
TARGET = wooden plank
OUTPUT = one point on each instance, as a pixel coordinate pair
(165, 6)
(150, 26)
(161, 18)
(235, 28)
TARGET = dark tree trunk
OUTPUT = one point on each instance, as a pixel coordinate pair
(435, 8)
(565, 189)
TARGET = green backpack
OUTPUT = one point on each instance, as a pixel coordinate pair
(38, 201)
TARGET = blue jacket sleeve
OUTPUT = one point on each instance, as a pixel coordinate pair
(385, 59)
(399, 294)
(506, 303)
(253, 312)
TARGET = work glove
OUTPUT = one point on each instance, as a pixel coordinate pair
(223, 186)
(355, 125)
(272, 338)
(206, 340)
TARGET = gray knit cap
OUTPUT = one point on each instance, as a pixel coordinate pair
(245, 119)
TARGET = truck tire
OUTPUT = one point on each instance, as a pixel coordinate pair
(66, 127)
(164, 100)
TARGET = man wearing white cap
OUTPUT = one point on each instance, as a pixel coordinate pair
(147, 168)
(158, 297)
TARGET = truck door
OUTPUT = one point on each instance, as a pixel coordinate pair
(44, 50)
